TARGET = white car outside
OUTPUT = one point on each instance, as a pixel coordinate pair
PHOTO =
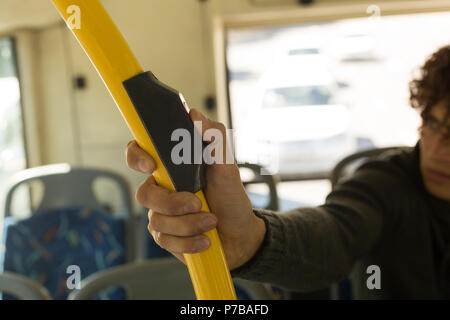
(298, 128)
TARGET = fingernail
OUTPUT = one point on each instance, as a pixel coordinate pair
(202, 244)
(143, 166)
(209, 223)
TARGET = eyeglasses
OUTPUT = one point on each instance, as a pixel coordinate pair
(432, 127)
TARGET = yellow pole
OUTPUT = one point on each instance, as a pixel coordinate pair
(115, 63)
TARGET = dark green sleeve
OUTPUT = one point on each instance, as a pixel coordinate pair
(310, 248)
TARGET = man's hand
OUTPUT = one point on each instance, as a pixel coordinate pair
(175, 220)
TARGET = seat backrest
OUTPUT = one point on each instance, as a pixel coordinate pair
(254, 290)
(156, 279)
(67, 187)
(46, 245)
(349, 164)
(22, 287)
(267, 179)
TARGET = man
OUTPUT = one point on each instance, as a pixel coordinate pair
(392, 214)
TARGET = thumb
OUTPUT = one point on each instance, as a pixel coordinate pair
(203, 124)
(198, 117)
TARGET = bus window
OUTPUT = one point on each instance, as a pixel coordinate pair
(12, 146)
(304, 96)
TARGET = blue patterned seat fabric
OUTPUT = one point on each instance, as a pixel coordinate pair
(44, 245)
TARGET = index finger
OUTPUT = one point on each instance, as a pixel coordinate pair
(161, 200)
(138, 159)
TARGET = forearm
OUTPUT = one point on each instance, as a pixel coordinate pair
(308, 248)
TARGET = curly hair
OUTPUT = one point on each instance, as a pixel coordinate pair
(433, 84)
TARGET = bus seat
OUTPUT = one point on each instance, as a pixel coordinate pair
(69, 227)
(269, 201)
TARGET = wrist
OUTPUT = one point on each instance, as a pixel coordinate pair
(256, 235)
